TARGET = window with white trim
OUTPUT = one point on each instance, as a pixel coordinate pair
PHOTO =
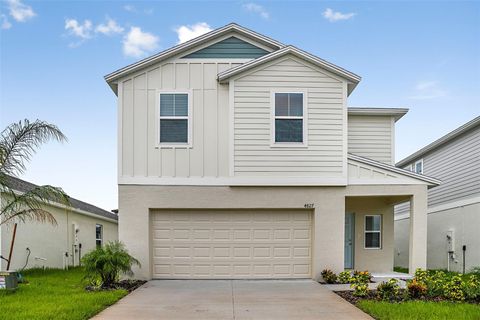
(373, 232)
(174, 118)
(289, 118)
(98, 235)
(418, 167)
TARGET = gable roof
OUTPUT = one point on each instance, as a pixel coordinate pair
(397, 113)
(439, 142)
(432, 182)
(231, 47)
(25, 186)
(232, 27)
(351, 77)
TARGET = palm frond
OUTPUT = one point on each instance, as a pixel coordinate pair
(19, 141)
(31, 204)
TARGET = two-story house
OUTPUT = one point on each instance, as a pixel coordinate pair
(239, 158)
(453, 207)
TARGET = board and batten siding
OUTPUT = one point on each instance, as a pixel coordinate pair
(372, 137)
(139, 153)
(457, 165)
(326, 112)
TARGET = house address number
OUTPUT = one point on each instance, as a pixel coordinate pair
(309, 205)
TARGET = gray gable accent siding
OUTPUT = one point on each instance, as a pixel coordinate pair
(457, 165)
(229, 48)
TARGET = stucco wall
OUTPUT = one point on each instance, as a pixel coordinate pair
(51, 242)
(377, 260)
(136, 202)
(464, 221)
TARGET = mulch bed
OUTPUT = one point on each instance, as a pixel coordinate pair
(129, 285)
(372, 295)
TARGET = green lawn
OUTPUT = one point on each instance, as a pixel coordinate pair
(418, 310)
(55, 294)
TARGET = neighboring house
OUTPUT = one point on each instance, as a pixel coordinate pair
(239, 158)
(80, 228)
(453, 207)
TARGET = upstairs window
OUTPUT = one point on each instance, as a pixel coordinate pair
(174, 118)
(98, 235)
(373, 232)
(418, 167)
(289, 124)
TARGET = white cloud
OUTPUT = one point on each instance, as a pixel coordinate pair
(130, 8)
(5, 23)
(256, 8)
(110, 28)
(186, 33)
(425, 90)
(83, 31)
(19, 11)
(133, 9)
(137, 43)
(334, 16)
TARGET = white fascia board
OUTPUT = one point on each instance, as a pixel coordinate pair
(111, 77)
(396, 113)
(429, 180)
(349, 76)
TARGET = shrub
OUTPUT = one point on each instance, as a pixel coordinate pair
(421, 275)
(475, 271)
(453, 289)
(416, 289)
(471, 287)
(329, 276)
(435, 284)
(104, 265)
(345, 277)
(359, 283)
(388, 290)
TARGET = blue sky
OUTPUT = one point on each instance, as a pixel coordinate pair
(53, 56)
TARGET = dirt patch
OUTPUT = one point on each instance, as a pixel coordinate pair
(129, 285)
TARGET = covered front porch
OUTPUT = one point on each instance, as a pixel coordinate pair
(374, 189)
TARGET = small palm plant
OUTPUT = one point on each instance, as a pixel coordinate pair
(18, 142)
(104, 265)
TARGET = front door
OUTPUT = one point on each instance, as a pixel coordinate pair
(349, 239)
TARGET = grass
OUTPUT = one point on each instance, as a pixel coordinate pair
(55, 294)
(400, 269)
(419, 310)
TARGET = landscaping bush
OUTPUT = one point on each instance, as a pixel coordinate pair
(435, 283)
(471, 287)
(329, 276)
(416, 289)
(104, 265)
(453, 289)
(359, 283)
(388, 290)
(344, 277)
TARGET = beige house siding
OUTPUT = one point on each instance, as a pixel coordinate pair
(372, 137)
(139, 153)
(51, 242)
(325, 99)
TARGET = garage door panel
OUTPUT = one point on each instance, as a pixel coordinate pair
(231, 244)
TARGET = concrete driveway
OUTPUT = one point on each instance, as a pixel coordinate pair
(232, 299)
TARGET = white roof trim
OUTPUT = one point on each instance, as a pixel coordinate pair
(351, 77)
(446, 138)
(190, 44)
(397, 113)
(429, 180)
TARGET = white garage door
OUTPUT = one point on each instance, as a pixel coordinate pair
(231, 244)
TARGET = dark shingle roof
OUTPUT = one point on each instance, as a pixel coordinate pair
(24, 186)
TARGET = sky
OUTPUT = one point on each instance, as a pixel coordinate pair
(424, 56)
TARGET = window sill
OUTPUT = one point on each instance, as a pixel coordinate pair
(288, 145)
(173, 146)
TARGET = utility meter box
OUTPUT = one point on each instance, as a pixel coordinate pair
(8, 281)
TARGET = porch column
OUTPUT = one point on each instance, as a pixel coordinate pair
(418, 230)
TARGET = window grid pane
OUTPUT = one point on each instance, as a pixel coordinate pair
(173, 118)
(288, 117)
(372, 223)
(288, 130)
(173, 130)
(372, 240)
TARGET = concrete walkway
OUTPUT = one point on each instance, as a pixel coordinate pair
(232, 299)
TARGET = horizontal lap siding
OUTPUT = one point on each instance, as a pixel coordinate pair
(208, 156)
(371, 137)
(253, 154)
(457, 165)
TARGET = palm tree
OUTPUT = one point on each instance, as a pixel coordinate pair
(18, 142)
